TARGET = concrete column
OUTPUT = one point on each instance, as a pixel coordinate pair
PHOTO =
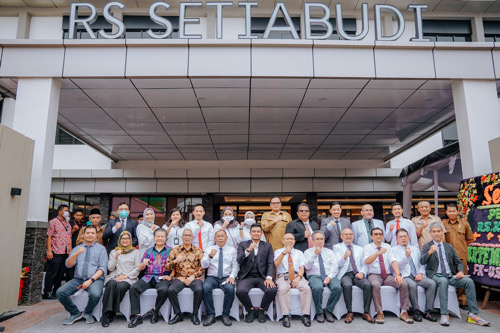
(407, 199)
(312, 201)
(477, 29)
(35, 116)
(8, 108)
(477, 112)
(495, 156)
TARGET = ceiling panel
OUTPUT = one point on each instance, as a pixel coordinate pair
(103, 83)
(272, 115)
(195, 148)
(115, 139)
(263, 155)
(358, 156)
(191, 139)
(231, 147)
(343, 139)
(271, 83)
(168, 156)
(395, 128)
(143, 128)
(161, 148)
(136, 156)
(223, 96)
(354, 128)
(329, 98)
(161, 139)
(85, 115)
(200, 156)
(381, 98)
(429, 99)
(125, 148)
(337, 84)
(161, 83)
(379, 139)
(104, 128)
(402, 115)
(394, 84)
(331, 115)
(296, 156)
(171, 98)
(116, 98)
(218, 139)
(268, 138)
(277, 97)
(75, 98)
(359, 115)
(227, 128)
(270, 128)
(271, 147)
(186, 128)
(227, 114)
(221, 83)
(311, 128)
(232, 156)
(306, 139)
(179, 115)
(319, 155)
(436, 84)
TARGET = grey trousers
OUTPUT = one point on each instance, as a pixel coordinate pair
(377, 282)
(466, 283)
(430, 292)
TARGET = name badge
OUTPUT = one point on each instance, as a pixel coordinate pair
(176, 241)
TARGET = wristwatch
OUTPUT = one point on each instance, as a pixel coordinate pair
(92, 278)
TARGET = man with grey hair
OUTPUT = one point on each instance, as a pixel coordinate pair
(322, 267)
(423, 221)
(445, 268)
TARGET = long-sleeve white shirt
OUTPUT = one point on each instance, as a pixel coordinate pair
(145, 237)
(297, 258)
(207, 234)
(374, 267)
(230, 265)
(399, 252)
(330, 261)
(406, 224)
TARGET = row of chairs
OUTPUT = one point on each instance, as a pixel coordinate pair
(390, 302)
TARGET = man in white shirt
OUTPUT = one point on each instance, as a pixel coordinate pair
(321, 267)
(362, 228)
(399, 222)
(289, 264)
(379, 259)
(222, 268)
(203, 231)
(413, 272)
(352, 271)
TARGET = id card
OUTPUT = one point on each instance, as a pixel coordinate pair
(176, 241)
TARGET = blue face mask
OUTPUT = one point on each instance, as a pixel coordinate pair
(89, 223)
(123, 214)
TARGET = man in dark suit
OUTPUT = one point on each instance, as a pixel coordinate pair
(256, 260)
(333, 225)
(444, 267)
(115, 227)
(302, 228)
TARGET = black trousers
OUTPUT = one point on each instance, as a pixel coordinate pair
(177, 286)
(113, 296)
(141, 286)
(244, 287)
(55, 271)
(347, 281)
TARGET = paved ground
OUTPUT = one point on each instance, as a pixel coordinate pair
(39, 319)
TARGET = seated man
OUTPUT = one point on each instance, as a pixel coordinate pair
(379, 259)
(155, 276)
(185, 262)
(321, 268)
(413, 272)
(90, 270)
(289, 264)
(222, 269)
(256, 260)
(352, 271)
(444, 267)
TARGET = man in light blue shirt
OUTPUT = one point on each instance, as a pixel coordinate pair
(363, 228)
(90, 260)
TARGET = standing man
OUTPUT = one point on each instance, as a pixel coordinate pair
(399, 222)
(362, 228)
(423, 221)
(333, 225)
(94, 219)
(256, 260)
(222, 267)
(58, 248)
(185, 262)
(274, 223)
(115, 227)
(302, 228)
(379, 259)
(322, 267)
(413, 272)
(445, 267)
(90, 260)
(156, 276)
(459, 235)
(76, 225)
(289, 264)
(203, 231)
(353, 271)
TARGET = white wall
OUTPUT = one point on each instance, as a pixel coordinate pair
(46, 28)
(418, 151)
(79, 157)
(8, 27)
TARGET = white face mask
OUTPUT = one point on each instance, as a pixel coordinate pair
(227, 218)
(66, 214)
(249, 222)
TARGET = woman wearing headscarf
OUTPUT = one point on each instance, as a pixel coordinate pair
(230, 225)
(123, 266)
(247, 224)
(175, 227)
(145, 231)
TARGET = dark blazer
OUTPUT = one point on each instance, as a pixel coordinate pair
(332, 237)
(265, 259)
(112, 238)
(432, 261)
(298, 228)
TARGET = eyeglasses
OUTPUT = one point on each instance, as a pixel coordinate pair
(125, 238)
(303, 211)
(187, 235)
(378, 234)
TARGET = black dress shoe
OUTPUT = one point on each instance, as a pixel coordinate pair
(154, 316)
(194, 319)
(209, 321)
(111, 316)
(417, 316)
(261, 315)
(49, 296)
(177, 318)
(105, 320)
(250, 315)
(226, 321)
(306, 321)
(430, 317)
(328, 316)
(286, 321)
(463, 307)
(320, 318)
(136, 320)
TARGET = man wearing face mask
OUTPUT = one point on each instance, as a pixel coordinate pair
(58, 248)
(115, 227)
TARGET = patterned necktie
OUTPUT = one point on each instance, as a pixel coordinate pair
(353, 262)
(337, 224)
(85, 270)
(370, 227)
(291, 271)
(322, 271)
(441, 261)
(413, 269)
(221, 262)
(383, 272)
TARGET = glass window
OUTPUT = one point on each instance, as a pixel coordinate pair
(117, 200)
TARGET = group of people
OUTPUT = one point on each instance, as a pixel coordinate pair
(275, 256)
